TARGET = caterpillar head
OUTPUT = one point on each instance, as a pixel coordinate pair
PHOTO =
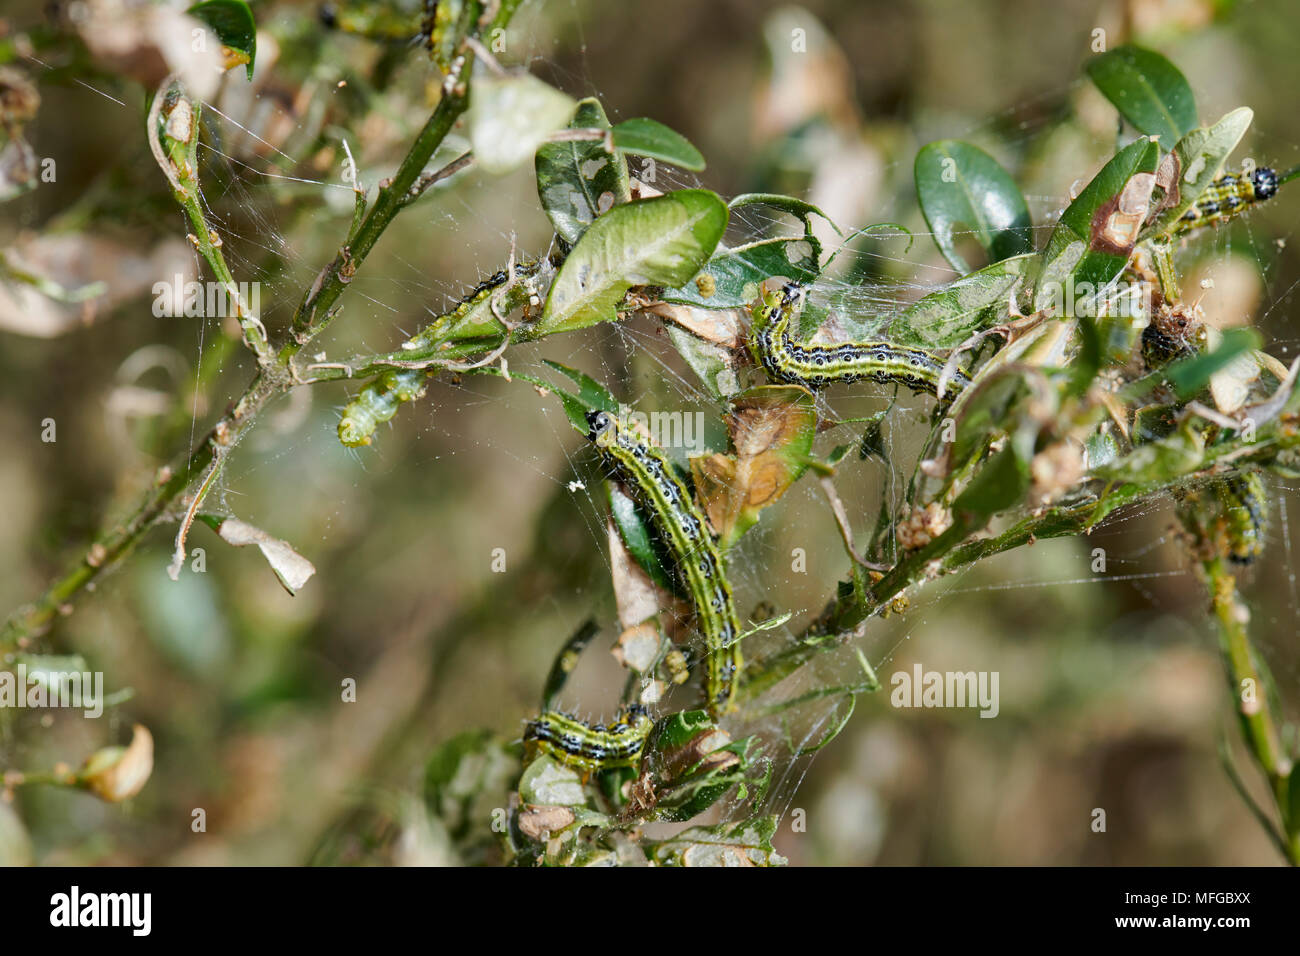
(601, 427)
(1265, 182)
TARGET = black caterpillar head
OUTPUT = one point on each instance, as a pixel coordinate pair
(1265, 182)
(598, 422)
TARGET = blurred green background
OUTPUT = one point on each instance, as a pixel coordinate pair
(1112, 695)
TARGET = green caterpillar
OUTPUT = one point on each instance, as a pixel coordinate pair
(1245, 512)
(1230, 194)
(472, 317)
(591, 748)
(651, 481)
(816, 366)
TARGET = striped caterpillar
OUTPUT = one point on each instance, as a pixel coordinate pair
(474, 315)
(1245, 512)
(591, 748)
(816, 366)
(681, 526)
(1227, 196)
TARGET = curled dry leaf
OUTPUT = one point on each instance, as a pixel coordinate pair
(289, 566)
(538, 823)
(638, 647)
(720, 326)
(119, 773)
(637, 596)
(772, 429)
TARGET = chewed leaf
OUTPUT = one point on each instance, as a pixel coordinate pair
(1096, 234)
(799, 208)
(1148, 90)
(650, 242)
(1194, 164)
(579, 179)
(772, 429)
(647, 137)
(712, 363)
(233, 23)
(590, 392)
(962, 188)
(289, 566)
(511, 116)
(946, 318)
(732, 277)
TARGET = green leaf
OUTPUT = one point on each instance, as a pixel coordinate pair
(590, 392)
(736, 273)
(1147, 89)
(639, 539)
(946, 318)
(711, 363)
(578, 180)
(1196, 162)
(1095, 237)
(1188, 376)
(646, 137)
(999, 485)
(650, 242)
(511, 116)
(962, 188)
(795, 207)
(232, 21)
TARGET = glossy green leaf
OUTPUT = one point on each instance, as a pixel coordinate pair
(232, 21)
(578, 180)
(511, 116)
(962, 189)
(1148, 91)
(662, 241)
(1095, 236)
(646, 137)
(946, 318)
(1196, 162)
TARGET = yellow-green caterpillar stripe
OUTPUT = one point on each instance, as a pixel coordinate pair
(1227, 196)
(1245, 512)
(591, 748)
(682, 527)
(379, 400)
(815, 366)
(377, 403)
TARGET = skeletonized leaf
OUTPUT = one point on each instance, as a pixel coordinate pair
(732, 277)
(772, 429)
(946, 318)
(511, 116)
(1095, 236)
(1195, 163)
(578, 180)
